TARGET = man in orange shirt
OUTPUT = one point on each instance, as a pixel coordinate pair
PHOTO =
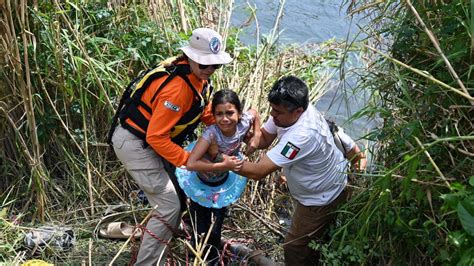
(154, 125)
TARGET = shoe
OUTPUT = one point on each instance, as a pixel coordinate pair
(119, 230)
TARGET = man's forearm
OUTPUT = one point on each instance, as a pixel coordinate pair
(266, 139)
(263, 144)
(357, 159)
(250, 170)
(257, 171)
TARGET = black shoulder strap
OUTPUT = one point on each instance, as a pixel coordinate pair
(167, 80)
(181, 71)
(126, 95)
(334, 128)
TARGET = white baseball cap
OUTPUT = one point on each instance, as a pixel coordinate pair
(205, 48)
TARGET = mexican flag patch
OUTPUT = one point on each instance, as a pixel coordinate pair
(290, 150)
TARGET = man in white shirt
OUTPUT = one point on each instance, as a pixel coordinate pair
(314, 167)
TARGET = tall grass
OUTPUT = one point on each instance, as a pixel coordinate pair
(418, 207)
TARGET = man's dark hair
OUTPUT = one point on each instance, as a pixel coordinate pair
(290, 92)
(226, 96)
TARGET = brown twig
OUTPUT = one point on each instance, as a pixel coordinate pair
(267, 223)
(438, 48)
(421, 73)
(441, 175)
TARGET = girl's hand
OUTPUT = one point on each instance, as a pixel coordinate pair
(232, 163)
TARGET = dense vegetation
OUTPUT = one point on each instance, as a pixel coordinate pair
(419, 206)
(65, 64)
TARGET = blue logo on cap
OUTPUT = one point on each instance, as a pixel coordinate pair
(215, 45)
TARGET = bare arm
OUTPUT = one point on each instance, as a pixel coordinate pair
(266, 139)
(197, 163)
(258, 170)
(357, 159)
(253, 142)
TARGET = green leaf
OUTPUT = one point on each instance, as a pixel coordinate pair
(412, 222)
(471, 181)
(467, 257)
(468, 203)
(73, 5)
(457, 238)
(466, 217)
(412, 167)
(450, 199)
(457, 186)
(427, 223)
(444, 255)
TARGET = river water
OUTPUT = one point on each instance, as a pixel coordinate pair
(303, 21)
(309, 22)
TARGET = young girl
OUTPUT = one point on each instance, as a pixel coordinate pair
(210, 185)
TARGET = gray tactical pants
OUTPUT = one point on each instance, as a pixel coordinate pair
(147, 169)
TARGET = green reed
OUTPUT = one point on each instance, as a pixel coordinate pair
(416, 206)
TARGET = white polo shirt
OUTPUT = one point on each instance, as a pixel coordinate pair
(314, 167)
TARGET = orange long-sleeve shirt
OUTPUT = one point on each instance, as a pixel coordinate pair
(163, 119)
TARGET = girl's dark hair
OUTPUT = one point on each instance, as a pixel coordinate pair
(226, 96)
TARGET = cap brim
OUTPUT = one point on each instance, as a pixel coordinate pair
(220, 58)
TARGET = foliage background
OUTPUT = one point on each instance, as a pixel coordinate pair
(418, 206)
